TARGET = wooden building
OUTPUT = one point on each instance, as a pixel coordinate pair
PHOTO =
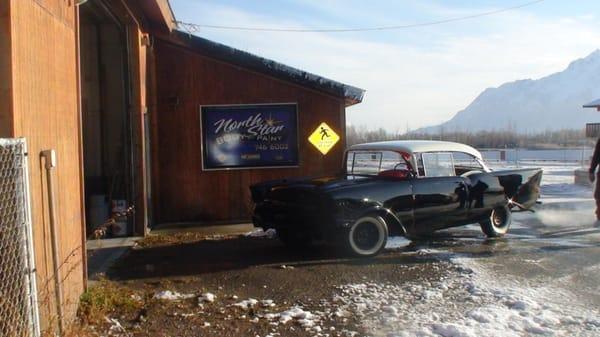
(193, 72)
(592, 130)
(43, 98)
(117, 92)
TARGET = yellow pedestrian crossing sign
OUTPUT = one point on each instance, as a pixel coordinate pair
(324, 138)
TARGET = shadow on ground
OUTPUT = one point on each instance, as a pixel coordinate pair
(212, 256)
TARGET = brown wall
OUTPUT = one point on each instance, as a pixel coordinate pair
(45, 110)
(186, 80)
(6, 121)
(39, 100)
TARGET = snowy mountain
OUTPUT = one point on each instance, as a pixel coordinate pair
(550, 103)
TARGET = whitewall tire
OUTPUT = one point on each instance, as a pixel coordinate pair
(367, 236)
(498, 222)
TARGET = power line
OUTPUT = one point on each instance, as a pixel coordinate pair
(192, 27)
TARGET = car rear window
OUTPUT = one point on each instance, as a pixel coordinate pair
(466, 160)
(373, 162)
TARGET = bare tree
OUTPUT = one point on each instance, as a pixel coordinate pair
(507, 138)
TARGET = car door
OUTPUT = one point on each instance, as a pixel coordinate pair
(440, 197)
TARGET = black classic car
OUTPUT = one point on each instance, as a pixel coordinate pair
(408, 188)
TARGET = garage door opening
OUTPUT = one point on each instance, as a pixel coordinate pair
(106, 124)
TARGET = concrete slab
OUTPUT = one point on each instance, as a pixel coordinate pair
(231, 229)
(100, 261)
(103, 253)
(112, 243)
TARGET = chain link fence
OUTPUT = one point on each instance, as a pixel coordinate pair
(18, 303)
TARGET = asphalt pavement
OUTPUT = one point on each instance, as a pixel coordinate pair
(541, 279)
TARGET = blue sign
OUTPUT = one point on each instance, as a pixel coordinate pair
(246, 136)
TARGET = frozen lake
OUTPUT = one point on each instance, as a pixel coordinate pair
(564, 155)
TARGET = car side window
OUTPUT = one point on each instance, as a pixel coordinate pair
(392, 161)
(438, 164)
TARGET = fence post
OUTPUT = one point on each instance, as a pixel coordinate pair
(18, 303)
(31, 274)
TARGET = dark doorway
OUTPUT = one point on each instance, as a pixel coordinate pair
(105, 119)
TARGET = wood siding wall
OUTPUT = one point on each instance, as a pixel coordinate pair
(186, 80)
(138, 109)
(6, 120)
(45, 111)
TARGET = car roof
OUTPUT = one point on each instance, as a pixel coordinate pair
(416, 146)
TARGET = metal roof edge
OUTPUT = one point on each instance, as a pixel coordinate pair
(593, 104)
(352, 95)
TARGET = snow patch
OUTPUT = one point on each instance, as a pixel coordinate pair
(207, 297)
(246, 304)
(395, 242)
(260, 233)
(168, 295)
(267, 303)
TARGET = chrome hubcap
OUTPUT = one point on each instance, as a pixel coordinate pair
(366, 235)
(497, 219)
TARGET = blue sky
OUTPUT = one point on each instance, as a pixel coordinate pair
(414, 77)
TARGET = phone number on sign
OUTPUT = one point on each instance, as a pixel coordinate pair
(262, 147)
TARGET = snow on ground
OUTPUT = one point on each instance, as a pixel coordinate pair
(168, 295)
(395, 242)
(258, 232)
(469, 302)
(473, 300)
(246, 304)
(207, 297)
(305, 319)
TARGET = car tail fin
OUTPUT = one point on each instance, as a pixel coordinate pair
(521, 186)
